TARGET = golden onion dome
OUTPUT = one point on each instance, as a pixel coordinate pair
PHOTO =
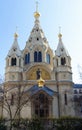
(15, 35)
(59, 35)
(36, 14)
(41, 82)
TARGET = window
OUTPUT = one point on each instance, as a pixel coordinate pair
(37, 56)
(65, 98)
(75, 91)
(48, 58)
(37, 39)
(37, 30)
(30, 39)
(27, 58)
(13, 61)
(14, 49)
(63, 61)
(80, 90)
(41, 105)
(12, 99)
(61, 49)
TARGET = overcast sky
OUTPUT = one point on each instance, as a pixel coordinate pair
(54, 13)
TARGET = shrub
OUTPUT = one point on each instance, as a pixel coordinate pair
(2, 124)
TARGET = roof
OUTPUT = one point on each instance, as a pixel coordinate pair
(61, 50)
(15, 49)
(34, 89)
(77, 85)
(37, 36)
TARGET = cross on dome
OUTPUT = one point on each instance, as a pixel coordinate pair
(36, 6)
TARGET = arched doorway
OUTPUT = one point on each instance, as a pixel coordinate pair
(41, 105)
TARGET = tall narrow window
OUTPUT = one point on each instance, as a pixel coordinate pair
(48, 58)
(65, 98)
(27, 58)
(63, 61)
(37, 56)
(13, 61)
(12, 99)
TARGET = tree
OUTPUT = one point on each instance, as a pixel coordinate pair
(14, 100)
(78, 94)
(80, 72)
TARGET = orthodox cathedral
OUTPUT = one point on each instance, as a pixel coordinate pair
(44, 77)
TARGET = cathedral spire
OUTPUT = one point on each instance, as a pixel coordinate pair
(37, 36)
(15, 49)
(61, 50)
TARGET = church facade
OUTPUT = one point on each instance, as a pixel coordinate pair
(44, 76)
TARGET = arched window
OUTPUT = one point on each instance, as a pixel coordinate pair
(63, 61)
(48, 58)
(12, 99)
(27, 58)
(13, 61)
(37, 56)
